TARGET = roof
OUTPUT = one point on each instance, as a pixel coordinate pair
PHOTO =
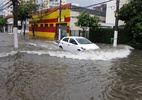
(55, 8)
(91, 11)
(9, 16)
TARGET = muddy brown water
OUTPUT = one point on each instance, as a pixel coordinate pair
(42, 77)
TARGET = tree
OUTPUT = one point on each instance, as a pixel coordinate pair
(25, 9)
(94, 22)
(85, 20)
(131, 14)
(3, 21)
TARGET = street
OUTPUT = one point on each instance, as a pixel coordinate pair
(38, 70)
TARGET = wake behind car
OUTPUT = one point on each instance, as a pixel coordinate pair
(75, 43)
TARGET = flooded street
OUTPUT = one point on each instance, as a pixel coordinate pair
(38, 70)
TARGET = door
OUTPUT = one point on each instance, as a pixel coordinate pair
(72, 45)
(63, 30)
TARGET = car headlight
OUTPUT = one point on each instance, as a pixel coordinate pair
(83, 48)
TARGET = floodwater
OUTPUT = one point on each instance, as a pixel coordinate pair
(38, 70)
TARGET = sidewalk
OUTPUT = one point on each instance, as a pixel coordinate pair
(24, 43)
(6, 42)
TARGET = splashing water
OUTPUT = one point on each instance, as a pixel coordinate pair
(100, 54)
(105, 53)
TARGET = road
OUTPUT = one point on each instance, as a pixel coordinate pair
(38, 70)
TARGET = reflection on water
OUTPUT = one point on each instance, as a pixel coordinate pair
(42, 77)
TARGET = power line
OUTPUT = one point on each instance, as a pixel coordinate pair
(79, 7)
(98, 4)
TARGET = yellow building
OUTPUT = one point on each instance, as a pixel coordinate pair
(46, 22)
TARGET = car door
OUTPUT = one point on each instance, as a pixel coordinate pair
(64, 43)
(72, 45)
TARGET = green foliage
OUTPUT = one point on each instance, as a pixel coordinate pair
(131, 14)
(106, 36)
(94, 22)
(101, 36)
(3, 20)
(85, 21)
(25, 8)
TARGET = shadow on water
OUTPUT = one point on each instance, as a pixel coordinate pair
(42, 77)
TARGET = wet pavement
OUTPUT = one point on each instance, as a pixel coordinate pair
(38, 70)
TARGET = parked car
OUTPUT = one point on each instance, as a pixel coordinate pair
(75, 43)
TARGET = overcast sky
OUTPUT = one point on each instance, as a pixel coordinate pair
(82, 2)
(85, 2)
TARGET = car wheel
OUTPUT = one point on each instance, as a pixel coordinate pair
(60, 47)
(78, 50)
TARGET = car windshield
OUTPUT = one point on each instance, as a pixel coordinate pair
(83, 41)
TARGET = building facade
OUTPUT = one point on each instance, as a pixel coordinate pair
(51, 3)
(110, 12)
(6, 7)
(48, 26)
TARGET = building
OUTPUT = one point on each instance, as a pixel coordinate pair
(6, 7)
(110, 7)
(75, 10)
(101, 7)
(48, 26)
(7, 12)
(51, 3)
(110, 12)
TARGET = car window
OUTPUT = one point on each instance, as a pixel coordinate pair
(83, 41)
(66, 39)
(72, 41)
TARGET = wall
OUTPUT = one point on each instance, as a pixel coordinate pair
(110, 12)
(48, 25)
(73, 18)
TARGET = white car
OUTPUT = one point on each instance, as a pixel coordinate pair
(74, 43)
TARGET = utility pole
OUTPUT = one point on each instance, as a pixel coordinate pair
(59, 31)
(116, 24)
(15, 28)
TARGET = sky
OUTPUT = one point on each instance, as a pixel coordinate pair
(85, 2)
(82, 2)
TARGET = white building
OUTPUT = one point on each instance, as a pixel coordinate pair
(75, 12)
(6, 7)
(110, 12)
(7, 12)
(51, 3)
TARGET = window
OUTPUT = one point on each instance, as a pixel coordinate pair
(66, 39)
(51, 25)
(46, 25)
(83, 41)
(72, 41)
(41, 25)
